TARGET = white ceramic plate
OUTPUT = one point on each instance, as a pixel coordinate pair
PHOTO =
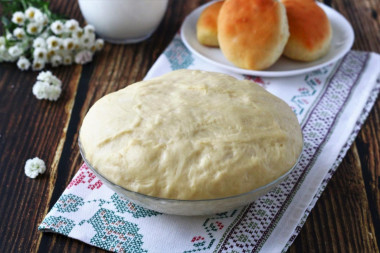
(342, 40)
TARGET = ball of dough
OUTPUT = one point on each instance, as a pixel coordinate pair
(191, 135)
(310, 30)
(252, 33)
(207, 26)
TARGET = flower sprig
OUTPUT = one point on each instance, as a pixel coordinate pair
(35, 37)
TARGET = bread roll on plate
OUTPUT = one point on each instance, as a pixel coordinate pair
(252, 33)
(310, 30)
(207, 25)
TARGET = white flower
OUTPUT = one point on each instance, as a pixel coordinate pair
(44, 76)
(48, 77)
(89, 29)
(68, 43)
(76, 44)
(53, 93)
(87, 40)
(9, 36)
(19, 33)
(67, 60)
(23, 63)
(34, 166)
(2, 40)
(38, 64)
(15, 51)
(34, 28)
(39, 42)
(78, 33)
(53, 42)
(57, 27)
(39, 89)
(4, 54)
(43, 90)
(83, 57)
(31, 12)
(40, 53)
(99, 43)
(56, 60)
(71, 25)
(41, 18)
(18, 18)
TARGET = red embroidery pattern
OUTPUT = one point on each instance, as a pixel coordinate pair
(197, 238)
(86, 177)
(219, 224)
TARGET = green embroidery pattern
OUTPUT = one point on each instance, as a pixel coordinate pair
(178, 55)
(211, 226)
(114, 233)
(123, 205)
(69, 203)
(58, 224)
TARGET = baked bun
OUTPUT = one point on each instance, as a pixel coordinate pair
(207, 25)
(191, 135)
(310, 30)
(252, 33)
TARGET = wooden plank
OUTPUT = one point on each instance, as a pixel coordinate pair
(341, 221)
(344, 219)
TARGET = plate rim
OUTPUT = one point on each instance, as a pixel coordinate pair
(282, 73)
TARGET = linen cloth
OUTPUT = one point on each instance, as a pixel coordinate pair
(331, 105)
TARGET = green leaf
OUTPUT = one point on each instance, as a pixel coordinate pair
(6, 22)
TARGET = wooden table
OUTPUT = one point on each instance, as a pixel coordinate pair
(345, 219)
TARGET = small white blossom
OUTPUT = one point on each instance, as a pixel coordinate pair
(40, 53)
(71, 25)
(31, 12)
(87, 40)
(39, 42)
(34, 166)
(9, 36)
(56, 60)
(57, 27)
(99, 43)
(15, 51)
(53, 42)
(43, 90)
(23, 63)
(54, 93)
(18, 18)
(88, 29)
(41, 18)
(44, 76)
(78, 33)
(67, 60)
(83, 57)
(19, 33)
(2, 40)
(68, 43)
(51, 52)
(48, 77)
(38, 64)
(34, 28)
(40, 89)
(4, 55)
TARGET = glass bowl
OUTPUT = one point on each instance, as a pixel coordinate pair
(189, 207)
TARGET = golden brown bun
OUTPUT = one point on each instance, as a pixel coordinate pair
(310, 30)
(252, 33)
(207, 25)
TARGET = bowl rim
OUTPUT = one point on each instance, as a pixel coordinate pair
(274, 182)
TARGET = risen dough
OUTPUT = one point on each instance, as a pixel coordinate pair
(191, 135)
